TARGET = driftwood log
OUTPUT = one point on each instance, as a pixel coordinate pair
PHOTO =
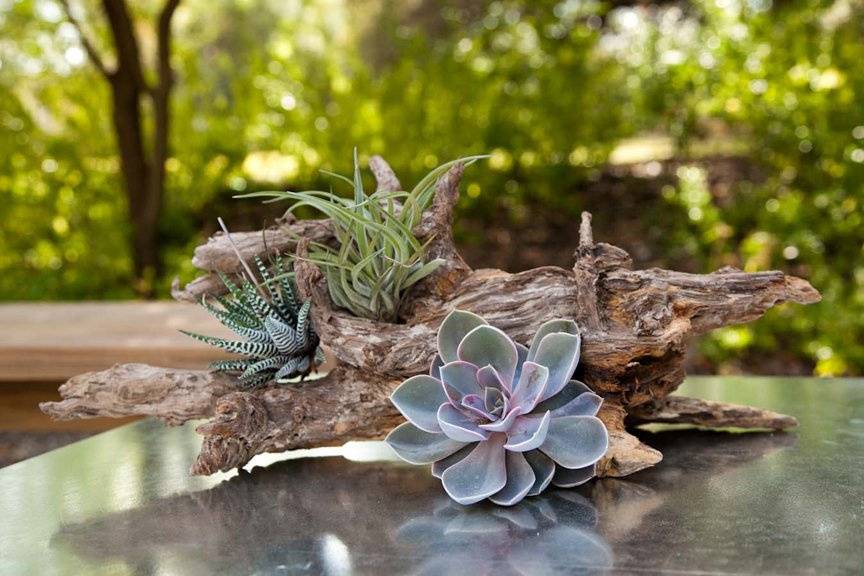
(635, 325)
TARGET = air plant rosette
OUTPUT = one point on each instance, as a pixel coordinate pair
(498, 420)
(378, 258)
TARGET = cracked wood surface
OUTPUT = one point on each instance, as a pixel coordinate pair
(635, 326)
(710, 414)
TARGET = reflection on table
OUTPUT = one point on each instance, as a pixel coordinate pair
(123, 503)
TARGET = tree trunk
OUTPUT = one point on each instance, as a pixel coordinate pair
(136, 174)
(143, 166)
(143, 177)
(147, 222)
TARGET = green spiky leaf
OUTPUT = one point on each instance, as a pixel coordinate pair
(378, 259)
(278, 340)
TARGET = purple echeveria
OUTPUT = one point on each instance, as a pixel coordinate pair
(498, 420)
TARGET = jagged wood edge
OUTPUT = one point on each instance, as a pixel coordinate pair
(708, 413)
(635, 325)
(174, 396)
(343, 405)
(217, 254)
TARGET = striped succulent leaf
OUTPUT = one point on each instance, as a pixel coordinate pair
(277, 341)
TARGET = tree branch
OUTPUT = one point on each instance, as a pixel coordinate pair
(384, 175)
(126, 41)
(89, 47)
(160, 95)
(163, 50)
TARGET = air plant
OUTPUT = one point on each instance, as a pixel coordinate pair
(378, 257)
(498, 420)
(279, 342)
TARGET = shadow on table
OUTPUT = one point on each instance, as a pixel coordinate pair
(332, 516)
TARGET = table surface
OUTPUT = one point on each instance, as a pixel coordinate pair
(719, 503)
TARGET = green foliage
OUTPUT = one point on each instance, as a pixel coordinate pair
(58, 199)
(786, 86)
(279, 342)
(378, 258)
(268, 92)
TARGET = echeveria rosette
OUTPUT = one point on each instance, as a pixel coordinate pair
(498, 420)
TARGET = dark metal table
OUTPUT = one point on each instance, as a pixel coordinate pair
(720, 503)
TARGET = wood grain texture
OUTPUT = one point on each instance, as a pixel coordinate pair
(172, 395)
(710, 414)
(53, 341)
(635, 326)
(21, 415)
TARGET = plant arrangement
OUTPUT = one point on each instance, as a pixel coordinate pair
(377, 257)
(279, 342)
(507, 423)
(498, 420)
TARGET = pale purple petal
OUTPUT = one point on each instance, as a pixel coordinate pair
(530, 387)
(488, 377)
(435, 368)
(439, 466)
(459, 379)
(493, 398)
(418, 399)
(528, 432)
(505, 423)
(573, 389)
(480, 474)
(522, 352)
(587, 404)
(418, 447)
(458, 426)
(560, 353)
(473, 403)
(544, 470)
(453, 329)
(566, 478)
(551, 327)
(520, 479)
(575, 441)
(489, 345)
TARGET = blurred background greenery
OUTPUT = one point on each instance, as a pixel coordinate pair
(701, 134)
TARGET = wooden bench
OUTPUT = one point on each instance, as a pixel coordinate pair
(43, 344)
(50, 342)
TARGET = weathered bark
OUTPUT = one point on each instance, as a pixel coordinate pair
(626, 453)
(343, 405)
(681, 410)
(142, 164)
(174, 396)
(635, 325)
